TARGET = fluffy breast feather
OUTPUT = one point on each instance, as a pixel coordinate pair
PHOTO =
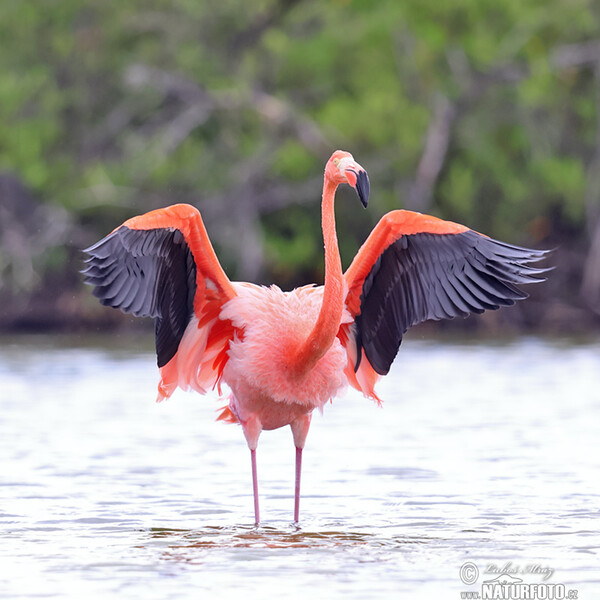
(274, 324)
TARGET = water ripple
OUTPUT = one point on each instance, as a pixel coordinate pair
(106, 494)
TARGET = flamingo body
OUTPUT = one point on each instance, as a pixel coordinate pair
(275, 323)
(283, 354)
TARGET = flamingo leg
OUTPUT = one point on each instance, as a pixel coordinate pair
(255, 486)
(252, 428)
(299, 430)
(297, 486)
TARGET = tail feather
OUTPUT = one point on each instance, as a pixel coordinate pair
(226, 415)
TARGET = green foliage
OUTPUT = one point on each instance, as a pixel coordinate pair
(293, 161)
(109, 109)
(291, 245)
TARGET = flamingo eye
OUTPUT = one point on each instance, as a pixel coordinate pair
(336, 161)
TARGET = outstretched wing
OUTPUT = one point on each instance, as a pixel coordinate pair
(415, 267)
(162, 265)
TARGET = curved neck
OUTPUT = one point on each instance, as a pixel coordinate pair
(328, 322)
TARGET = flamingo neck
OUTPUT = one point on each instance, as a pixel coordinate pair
(328, 322)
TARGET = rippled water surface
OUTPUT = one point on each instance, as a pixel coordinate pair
(481, 454)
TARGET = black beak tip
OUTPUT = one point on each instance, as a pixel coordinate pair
(363, 187)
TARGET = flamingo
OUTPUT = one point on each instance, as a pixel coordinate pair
(283, 354)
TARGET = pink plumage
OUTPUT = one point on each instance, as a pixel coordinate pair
(275, 324)
(283, 354)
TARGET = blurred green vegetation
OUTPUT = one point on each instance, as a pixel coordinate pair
(484, 112)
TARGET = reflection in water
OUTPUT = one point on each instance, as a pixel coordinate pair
(256, 537)
(485, 454)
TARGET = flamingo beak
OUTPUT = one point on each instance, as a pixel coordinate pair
(357, 177)
(363, 187)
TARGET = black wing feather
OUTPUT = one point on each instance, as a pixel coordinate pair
(147, 273)
(427, 276)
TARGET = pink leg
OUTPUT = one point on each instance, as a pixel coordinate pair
(252, 428)
(300, 431)
(255, 487)
(297, 489)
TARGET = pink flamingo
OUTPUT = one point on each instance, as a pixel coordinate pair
(283, 354)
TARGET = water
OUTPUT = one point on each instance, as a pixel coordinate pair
(482, 454)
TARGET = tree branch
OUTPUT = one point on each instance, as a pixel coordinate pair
(446, 114)
(200, 104)
(434, 154)
(253, 34)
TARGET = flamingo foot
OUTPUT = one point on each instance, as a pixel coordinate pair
(297, 487)
(255, 487)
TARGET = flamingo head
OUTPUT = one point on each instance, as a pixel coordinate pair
(342, 168)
